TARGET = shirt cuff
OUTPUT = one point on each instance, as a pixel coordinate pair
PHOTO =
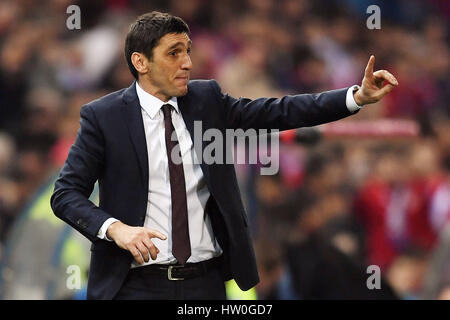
(102, 232)
(352, 106)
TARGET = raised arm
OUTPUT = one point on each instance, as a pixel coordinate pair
(288, 112)
(304, 110)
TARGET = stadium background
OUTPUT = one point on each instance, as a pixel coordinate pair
(373, 189)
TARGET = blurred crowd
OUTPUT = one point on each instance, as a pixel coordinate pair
(337, 205)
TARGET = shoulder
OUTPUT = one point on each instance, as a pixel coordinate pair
(107, 102)
(204, 85)
(207, 91)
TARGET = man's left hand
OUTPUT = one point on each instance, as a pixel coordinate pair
(372, 89)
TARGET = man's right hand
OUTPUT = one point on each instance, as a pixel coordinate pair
(136, 240)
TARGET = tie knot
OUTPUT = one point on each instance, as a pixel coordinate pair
(166, 110)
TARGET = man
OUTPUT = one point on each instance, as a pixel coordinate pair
(165, 229)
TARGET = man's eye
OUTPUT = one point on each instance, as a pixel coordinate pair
(189, 51)
(173, 53)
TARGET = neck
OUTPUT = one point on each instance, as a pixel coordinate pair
(149, 88)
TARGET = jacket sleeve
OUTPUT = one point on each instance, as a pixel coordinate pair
(288, 112)
(70, 199)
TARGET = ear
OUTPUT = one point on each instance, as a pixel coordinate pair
(140, 62)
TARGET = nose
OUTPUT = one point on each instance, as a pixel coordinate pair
(187, 63)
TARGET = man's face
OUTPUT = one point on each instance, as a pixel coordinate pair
(170, 66)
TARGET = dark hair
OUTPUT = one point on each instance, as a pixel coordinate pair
(146, 31)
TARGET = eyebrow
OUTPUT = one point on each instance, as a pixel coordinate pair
(179, 43)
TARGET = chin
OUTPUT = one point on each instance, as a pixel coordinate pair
(182, 92)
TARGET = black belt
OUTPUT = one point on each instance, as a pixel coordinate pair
(177, 271)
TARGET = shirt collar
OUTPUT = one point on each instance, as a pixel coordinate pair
(152, 104)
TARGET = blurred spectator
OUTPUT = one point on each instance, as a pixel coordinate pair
(324, 269)
(437, 281)
(406, 274)
(270, 260)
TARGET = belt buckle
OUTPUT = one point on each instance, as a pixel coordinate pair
(169, 274)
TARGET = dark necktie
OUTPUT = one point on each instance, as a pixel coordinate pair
(181, 245)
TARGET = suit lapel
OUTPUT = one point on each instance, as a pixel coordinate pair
(187, 111)
(131, 110)
(191, 112)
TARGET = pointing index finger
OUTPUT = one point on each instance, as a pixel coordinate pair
(369, 67)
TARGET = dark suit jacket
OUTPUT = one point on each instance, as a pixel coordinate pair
(110, 147)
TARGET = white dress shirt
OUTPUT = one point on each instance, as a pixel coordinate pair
(159, 212)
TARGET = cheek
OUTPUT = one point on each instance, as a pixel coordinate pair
(159, 75)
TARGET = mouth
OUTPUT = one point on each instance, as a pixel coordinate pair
(182, 79)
